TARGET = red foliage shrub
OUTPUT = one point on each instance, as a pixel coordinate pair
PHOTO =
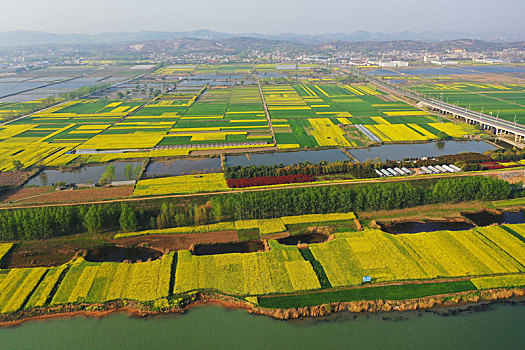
(496, 165)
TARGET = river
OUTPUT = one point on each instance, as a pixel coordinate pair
(210, 327)
(419, 150)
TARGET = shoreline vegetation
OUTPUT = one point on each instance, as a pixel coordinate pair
(138, 309)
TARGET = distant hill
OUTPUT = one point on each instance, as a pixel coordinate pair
(25, 38)
(239, 44)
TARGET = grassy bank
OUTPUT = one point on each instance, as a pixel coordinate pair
(394, 292)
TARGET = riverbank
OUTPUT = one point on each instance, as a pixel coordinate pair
(479, 326)
(141, 310)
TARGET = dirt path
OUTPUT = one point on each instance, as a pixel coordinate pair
(265, 106)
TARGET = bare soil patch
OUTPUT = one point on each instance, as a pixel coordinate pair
(51, 252)
(70, 196)
(15, 178)
(424, 212)
(24, 192)
(490, 78)
(511, 176)
(175, 242)
(386, 98)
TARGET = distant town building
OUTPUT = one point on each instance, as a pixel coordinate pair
(444, 63)
(389, 63)
(490, 60)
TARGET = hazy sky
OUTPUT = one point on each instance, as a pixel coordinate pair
(263, 16)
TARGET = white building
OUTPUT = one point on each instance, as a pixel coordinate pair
(389, 63)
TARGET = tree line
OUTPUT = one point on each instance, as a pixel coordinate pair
(46, 222)
(381, 196)
(357, 170)
(507, 154)
(467, 161)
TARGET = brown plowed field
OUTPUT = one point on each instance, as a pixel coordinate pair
(37, 195)
(25, 192)
(174, 242)
(14, 178)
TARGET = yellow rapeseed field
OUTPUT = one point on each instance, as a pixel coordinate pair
(181, 184)
(327, 133)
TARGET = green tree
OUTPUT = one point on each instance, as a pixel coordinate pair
(108, 176)
(17, 165)
(128, 219)
(442, 136)
(216, 211)
(93, 220)
(128, 171)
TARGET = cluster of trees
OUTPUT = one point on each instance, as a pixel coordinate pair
(173, 215)
(133, 172)
(85, 90)
(357, 170)
(507, 154)
(269, 180)
(46, 222)
(108, 176)
(143, 90)
(381, 196)
(350, 79)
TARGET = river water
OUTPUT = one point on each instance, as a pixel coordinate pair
(287, 158)
(84, 175)
(383, 152)
(500, 326)
(419, 150)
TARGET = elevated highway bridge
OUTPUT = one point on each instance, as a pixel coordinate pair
(498, 126)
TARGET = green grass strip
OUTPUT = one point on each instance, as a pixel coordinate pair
(394, 292)
(318, 268)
